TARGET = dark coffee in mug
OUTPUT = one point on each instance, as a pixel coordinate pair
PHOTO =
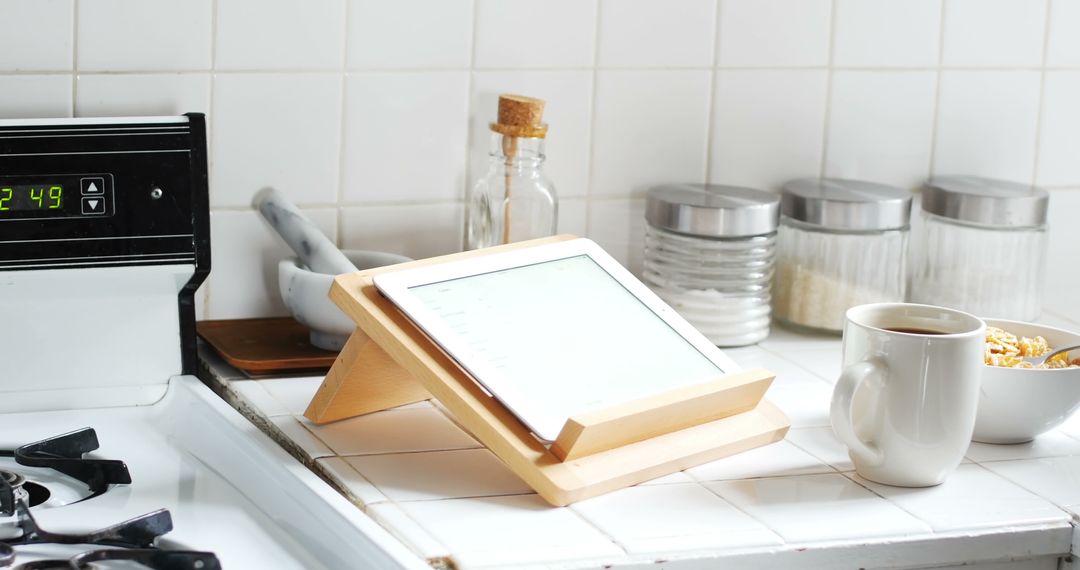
(913, 330)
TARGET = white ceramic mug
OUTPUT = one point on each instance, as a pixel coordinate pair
(905, 403)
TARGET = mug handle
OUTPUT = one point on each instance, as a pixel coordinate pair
(840, 411)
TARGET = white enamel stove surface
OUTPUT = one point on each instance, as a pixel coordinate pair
(228, 488)
(93, 319)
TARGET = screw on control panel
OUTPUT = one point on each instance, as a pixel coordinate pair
(156, 193)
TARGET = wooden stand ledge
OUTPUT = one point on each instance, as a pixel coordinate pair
(388, 362)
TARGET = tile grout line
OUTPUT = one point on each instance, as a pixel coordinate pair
(461, 498)
(850, 476)
(736, 508)
(829, 78)
(814, 455)
(344, 487)
(780, 355)
(590, 169)
(714, 77)
(1064, 508)
(936, 113)
(339, 231)
(480, 447)
(470, 100)
(618, 544)
(364, 204)
(402, 535)
(413, 70)
(208, 282)
(1039, 115)
(74, 56)
(213, 36)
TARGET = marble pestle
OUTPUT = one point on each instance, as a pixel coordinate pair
(317, 252)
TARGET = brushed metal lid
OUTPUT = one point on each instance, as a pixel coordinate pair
(986, 201)
(712, 210)
(839, 204)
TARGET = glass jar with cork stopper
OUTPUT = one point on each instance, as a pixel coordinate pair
(515, 200)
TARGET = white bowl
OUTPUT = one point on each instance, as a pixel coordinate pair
(305, 294)
(1017, 404)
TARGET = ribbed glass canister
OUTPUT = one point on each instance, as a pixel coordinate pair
(841, 243)
(982, 248)
(709, 254)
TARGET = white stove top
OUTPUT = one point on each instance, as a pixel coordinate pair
(97, 329)
(229, 489)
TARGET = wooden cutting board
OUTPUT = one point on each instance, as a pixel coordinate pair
(265, 346)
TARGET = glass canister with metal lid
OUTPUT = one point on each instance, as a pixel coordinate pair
(709, 254)
(841, 243)
(982, 247)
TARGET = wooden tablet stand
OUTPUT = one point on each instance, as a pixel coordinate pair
(389, 362)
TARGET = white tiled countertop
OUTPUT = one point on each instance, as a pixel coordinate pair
(795, 503)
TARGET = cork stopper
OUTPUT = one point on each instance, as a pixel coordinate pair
(520, 116)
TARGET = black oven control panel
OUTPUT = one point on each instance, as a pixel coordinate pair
(116, 195)
(78, 193)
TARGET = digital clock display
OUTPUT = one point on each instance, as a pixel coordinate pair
(35, 197)
(22, 197)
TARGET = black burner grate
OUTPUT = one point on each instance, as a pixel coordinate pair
(66, 454)
(131, 540)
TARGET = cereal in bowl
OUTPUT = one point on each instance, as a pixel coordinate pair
(1008, 350)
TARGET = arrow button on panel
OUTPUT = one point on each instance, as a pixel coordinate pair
(93, 206)
(93, 185)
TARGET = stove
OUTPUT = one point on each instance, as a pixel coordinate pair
(112, 453)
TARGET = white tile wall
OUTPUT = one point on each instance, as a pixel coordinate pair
(144, 94)
(44, 24)
(151, 35)
(1062, 275)
(283, 34)
(774, 33)
(887, 33)
(398, 130)
(387, 35)
(1063, 45)
(881, 126)
(374, 113)
(415, 230)
(27, 96)
(245, 259)
(619, 227)
(987, 123)
(1059, 135)
(994, 33)
(767, 126)
(519, 33)
(276, 130)
(646, 33)
(633, 149)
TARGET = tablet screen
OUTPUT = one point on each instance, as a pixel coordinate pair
(567, 334)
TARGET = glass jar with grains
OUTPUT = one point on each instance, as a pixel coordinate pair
(841, 243)
(982, 247)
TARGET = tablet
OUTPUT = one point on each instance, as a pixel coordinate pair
(554, 330)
